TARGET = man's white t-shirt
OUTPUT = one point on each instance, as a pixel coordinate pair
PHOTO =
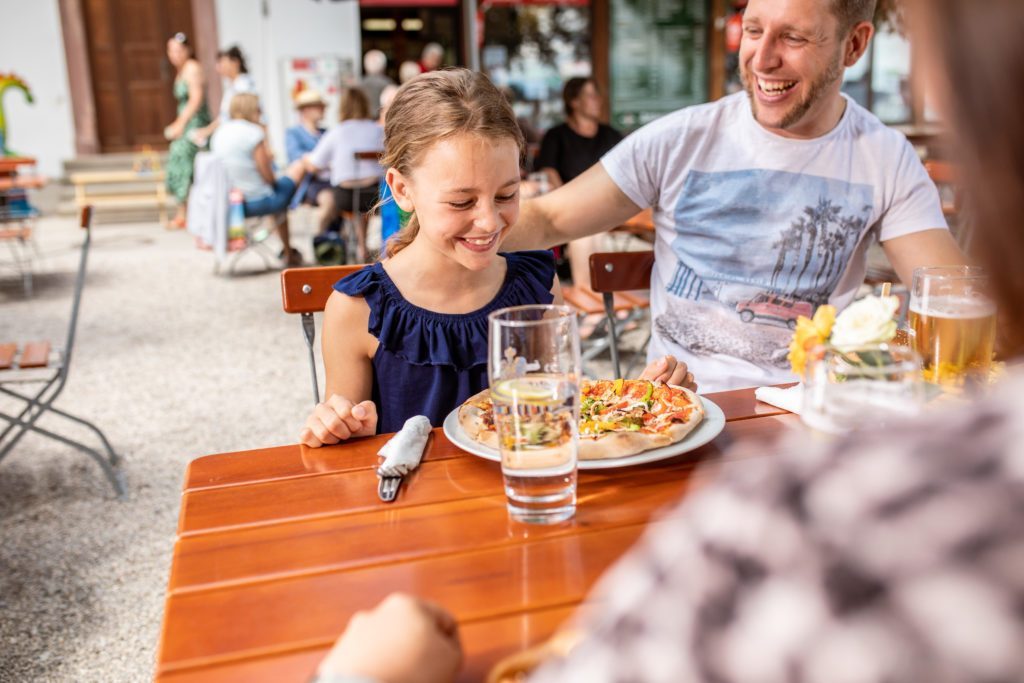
(754, 229)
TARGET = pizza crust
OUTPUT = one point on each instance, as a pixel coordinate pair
(602, 447)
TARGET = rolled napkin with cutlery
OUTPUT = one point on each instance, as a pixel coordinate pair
(791, 398)
(403, 452)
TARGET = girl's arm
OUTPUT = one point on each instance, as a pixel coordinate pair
(348, 349)
(193, 75)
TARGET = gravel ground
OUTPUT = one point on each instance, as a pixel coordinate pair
(171, 363)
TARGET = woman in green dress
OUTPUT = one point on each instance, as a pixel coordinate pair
(189, 87)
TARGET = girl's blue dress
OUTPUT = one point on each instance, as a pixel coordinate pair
(429, 363)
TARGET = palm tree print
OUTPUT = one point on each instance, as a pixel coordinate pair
(814, 250)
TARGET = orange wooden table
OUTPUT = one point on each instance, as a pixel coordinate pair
(278, 547)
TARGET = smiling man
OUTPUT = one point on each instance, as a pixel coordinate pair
(765, 202)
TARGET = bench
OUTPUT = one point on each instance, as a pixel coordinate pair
(151, 193)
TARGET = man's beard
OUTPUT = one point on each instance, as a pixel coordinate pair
(800, 109)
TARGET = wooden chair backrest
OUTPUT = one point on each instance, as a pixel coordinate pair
(305, 290)
(372, 155)
(941, 172)
(621, 271)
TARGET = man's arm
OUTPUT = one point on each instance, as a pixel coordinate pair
(590, 204)
(919, 249)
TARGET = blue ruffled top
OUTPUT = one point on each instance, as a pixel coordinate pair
(429, 363)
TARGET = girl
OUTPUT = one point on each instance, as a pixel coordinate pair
(408, 335)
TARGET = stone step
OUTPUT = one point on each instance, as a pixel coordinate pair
(106, 162)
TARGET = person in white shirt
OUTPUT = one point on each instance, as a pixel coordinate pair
(241, 144)
(764, 202)
(355, 181)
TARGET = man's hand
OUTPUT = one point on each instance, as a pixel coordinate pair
(670, 370)
(337, 419)
(401, 640)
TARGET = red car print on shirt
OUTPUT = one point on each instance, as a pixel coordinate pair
(773, 307)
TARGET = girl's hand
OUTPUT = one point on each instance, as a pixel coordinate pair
(337, 419)
(670, 370)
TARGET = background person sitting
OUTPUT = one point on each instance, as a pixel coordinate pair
(356, 132)
(241, 143)
(300, 140)
(569, 149)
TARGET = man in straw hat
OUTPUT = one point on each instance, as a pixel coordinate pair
(300, 140)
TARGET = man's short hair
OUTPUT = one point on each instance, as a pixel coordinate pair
(852, 12)
(374, 62)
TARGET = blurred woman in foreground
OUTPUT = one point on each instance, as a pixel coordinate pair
(889, 556)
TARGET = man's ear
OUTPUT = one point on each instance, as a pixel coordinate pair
(857, 43)
(399, 185)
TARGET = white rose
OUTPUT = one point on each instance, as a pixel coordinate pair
(868, 321)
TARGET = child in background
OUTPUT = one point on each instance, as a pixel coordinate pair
(408, 335)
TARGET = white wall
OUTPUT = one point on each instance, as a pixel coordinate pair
(32, 46)
(291, 28)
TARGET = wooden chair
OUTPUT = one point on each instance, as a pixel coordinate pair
(305, 291)
(40, 363)
(616, 274)
(616, 280)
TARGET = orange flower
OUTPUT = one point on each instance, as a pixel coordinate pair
(809, 333)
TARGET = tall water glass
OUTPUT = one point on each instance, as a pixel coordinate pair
(534, 370)
(952, 324)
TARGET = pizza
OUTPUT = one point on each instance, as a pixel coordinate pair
(617, 417)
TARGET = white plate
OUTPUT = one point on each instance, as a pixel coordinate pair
(710, 427)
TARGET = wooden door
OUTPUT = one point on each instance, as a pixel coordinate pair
(131, 77)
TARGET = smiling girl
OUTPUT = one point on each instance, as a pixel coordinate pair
(408, 335)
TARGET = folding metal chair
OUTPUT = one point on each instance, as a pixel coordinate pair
(621, 272)
(38, 363)
(305, 291)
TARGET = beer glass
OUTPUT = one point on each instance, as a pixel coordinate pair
(952, 325)
(534, 369)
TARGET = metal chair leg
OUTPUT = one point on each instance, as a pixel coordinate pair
(309, 334)
(609, 309)
(108, 465)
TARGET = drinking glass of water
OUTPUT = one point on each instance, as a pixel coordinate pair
(534, 370)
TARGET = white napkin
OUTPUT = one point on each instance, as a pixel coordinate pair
(790, 399)
(403, 452)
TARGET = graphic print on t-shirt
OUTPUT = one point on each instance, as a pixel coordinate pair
(756, 249)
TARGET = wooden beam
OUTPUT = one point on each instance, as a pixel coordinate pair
(76, 55)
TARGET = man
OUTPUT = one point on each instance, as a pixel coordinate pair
(431, 57)
(374, 81)
(764, 202)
